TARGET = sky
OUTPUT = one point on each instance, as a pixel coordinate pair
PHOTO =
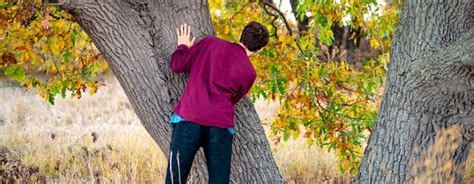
(285, 7)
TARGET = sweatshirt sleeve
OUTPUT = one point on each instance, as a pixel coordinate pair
(183, 57)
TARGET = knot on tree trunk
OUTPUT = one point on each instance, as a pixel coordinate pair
(442, 80)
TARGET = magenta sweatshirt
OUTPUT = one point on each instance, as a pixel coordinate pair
(220, 74)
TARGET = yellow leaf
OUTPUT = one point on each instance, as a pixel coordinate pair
(374, 43)
(62, 68)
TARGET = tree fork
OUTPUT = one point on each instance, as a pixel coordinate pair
(137, 38)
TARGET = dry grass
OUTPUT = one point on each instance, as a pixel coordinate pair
(99, 139)
(436, 164)
(67, 159)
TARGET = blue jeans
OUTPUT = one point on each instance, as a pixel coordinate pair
(186, 139)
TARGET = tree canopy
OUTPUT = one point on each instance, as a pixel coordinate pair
(326, 67)
(43, 48)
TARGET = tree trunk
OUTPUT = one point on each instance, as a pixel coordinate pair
(425, 126)
(137, 38)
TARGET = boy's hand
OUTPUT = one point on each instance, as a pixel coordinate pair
(184, 35)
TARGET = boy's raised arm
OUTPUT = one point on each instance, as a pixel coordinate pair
(181, 59)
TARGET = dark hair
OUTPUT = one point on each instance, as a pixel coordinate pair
(254, 36)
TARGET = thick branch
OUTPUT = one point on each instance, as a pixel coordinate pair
(459, 53)
(136, 38)
(445, 71)
(67, 4)
(465, 48)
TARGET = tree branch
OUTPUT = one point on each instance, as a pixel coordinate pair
(67, 4)
(266, 4)
(460, 53)
(275, 17)
(442, 72)
(465, 48)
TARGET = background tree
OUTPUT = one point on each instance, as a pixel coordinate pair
(142, 68)
(425, 125)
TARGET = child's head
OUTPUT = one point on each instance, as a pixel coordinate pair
(254, 36)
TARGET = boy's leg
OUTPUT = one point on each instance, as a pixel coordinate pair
(218, 151)
(184, 145)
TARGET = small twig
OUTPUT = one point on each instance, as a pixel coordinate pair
(287, 25)
(266, 4)
(275, 17)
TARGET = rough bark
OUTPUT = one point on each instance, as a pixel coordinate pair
(137, 38)
(424, 130)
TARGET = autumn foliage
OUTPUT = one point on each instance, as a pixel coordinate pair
(328, 84)
(43, 49)
(325, 66)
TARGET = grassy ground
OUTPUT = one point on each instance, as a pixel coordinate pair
(99, 138)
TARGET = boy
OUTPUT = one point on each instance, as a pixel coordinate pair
(220, 74)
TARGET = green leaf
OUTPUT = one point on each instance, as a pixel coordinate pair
(68, 56)
(286, 134)
(63, 90)
(74, 36)
(54, 90)
(11, 70)
(51, 99)
(330, 92)
(20, 74)
(271, 55)
(15, 72)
